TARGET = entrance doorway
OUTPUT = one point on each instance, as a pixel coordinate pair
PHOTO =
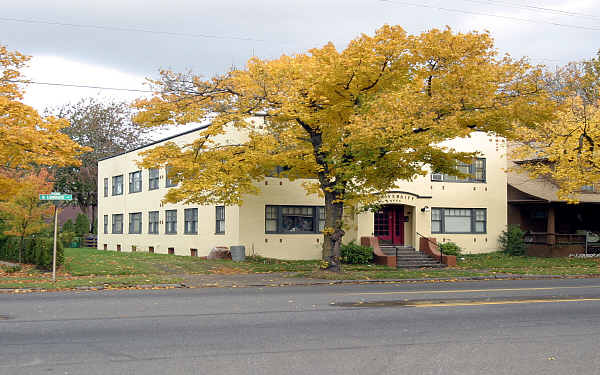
(389, 224)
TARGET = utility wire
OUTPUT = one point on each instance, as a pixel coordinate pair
(81, 86)
(536, 8)
(117, 28)
(454, 10)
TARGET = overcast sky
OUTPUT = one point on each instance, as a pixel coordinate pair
(95, 42)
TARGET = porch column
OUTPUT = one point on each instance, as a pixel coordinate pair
(551, 225)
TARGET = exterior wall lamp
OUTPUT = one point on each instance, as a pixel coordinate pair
(425, 209)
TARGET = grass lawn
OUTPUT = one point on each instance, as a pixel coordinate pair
(91, 267)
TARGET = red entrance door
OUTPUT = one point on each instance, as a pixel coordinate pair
(389, 225)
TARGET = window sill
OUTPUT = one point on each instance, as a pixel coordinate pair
(191, 233)
(279, 233)
(219, 233)
(461, 182)
(482, 233)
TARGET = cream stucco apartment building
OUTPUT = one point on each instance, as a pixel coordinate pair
(283, 222)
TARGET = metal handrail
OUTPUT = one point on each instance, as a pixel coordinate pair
(436, 244)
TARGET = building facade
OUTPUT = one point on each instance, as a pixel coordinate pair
(284, 222)
(553, 227)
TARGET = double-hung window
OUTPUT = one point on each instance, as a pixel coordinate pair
(190, 217)
(171, 222)
(294, 219)
(135, 182)
(117, 223)
(117, 185)
(105, 224)
(474, 171)
(153, 222)
(220, 219)
(135, 223)
(168, 181)
(153, 178)
(458, 220)
(106, 186)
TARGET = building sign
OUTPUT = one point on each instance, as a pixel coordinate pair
(400, 198)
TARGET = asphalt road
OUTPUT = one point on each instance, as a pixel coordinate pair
(485, 327)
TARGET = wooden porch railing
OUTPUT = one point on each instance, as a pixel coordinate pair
(545, 238)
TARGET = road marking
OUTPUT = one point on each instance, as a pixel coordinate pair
(471, 290)
(514, 302)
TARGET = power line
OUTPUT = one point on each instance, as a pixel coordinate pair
(533, 7)
(117, 28)
(491, 15)
(81, 86)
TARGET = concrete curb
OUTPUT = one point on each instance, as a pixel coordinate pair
(93, 288)
(424, 280)
(306, 282)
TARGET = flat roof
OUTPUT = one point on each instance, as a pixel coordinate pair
(155, 142)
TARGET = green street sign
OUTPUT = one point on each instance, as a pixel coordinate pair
(55, 196)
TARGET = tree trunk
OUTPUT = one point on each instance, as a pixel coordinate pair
(21, 249)
(93, 221)
(333, 233)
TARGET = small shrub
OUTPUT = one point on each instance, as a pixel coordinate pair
(12, 269)
(511, 241)
(450, 248)
(353, 253)
(66, 238)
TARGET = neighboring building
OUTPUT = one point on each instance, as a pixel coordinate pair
(283, 222)
(553, 227)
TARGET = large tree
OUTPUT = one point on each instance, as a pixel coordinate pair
(566, 149)
(27, 140)
(106, 128)
(354, 121)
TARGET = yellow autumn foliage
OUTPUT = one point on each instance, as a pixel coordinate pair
(354, 120)
(27, 140)
(565, 150)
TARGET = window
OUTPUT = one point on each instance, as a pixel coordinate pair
(105, 224)
(294, 219)
(190, 216)
(168, 181)
(475, 171)
(117, 223)
(135, 223)
(117, 185)
(458, 220)
(106, 187)
(153, 222)
(593, 188)
(171, 222)
(220, 219)
(153, 179)
(135, 182)
(321, 218)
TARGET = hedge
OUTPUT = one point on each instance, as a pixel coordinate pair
(36, 251)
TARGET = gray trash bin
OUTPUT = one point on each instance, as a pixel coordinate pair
(238, 253)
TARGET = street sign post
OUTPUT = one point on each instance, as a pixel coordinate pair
(55, 197)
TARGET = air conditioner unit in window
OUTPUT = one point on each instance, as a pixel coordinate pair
(437, 177)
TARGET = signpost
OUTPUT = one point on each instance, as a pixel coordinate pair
(55, 197)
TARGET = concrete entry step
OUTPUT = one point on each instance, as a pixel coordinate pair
(408, 257)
